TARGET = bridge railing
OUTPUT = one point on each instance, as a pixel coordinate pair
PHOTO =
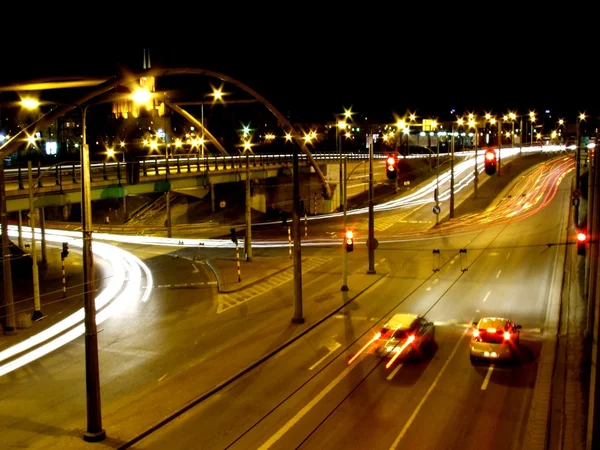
(69, 172)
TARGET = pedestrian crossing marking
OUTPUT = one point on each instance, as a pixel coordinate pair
(233, 299)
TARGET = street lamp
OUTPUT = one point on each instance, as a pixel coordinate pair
(531, 126)
(248, 239)
(341, 125)
(95, 432)
(473, 124)
(580, 118)
(32, 104)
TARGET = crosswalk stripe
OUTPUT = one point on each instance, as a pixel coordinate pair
(233, 299)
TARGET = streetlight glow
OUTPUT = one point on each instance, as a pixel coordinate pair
(141, 96)
(30, 103)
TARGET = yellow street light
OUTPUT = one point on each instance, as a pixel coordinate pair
(30, 103)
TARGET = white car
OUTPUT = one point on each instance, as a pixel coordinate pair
(495, 338)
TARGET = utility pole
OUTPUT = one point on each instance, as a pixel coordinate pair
(298, 317)
(345, 262)
(248, 239)
(437, 183)
(94, 432)
(9, 304)
(476, 172)
(451, 213)
(37, 313)
(371, 240)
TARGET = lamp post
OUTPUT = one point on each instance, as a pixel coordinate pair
(298, 317)
(9, 324)
(473, 124)
(345, 262)
(371, 240)
(531, 127)
(248, 239)
(95, 432)
(578, 156)
(37, 313)
(437, 182)
(451, 212)
(338, 139)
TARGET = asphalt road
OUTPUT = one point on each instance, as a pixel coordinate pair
(172, 351)
(308, 396)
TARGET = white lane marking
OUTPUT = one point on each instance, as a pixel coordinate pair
(487, 377)
(487, 295)
(508, 255)
(428, 288)
(499, 272)
(394, 372)
(195, 268)
(290, 423)
(331, 347)
(428, 393)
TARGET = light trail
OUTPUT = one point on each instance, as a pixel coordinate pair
(125, 287)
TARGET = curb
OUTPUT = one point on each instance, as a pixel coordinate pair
(220, 290)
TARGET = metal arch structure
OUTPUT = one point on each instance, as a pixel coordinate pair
(109, 84)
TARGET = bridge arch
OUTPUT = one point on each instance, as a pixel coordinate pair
(109, 84)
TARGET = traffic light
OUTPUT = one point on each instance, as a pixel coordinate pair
(490, 162)
(65, 250)
(349, 240)
(581, 241)
(233, 236)
(391, 167)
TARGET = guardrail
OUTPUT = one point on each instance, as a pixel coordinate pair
(132, 172)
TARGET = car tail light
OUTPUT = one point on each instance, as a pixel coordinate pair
(475, 333)
(507, 335)
(491, 330)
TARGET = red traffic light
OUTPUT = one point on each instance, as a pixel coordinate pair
(349, 234)
(490, 155)
(391, 160)
(581, 236)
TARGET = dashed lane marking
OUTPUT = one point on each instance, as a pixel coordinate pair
(488, 375)
(394, 372)
(233, 299)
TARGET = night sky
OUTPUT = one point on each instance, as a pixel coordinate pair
(377, 70)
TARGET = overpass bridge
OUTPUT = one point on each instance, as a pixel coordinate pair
(60, 185)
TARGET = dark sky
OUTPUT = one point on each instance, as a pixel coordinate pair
(317, 70)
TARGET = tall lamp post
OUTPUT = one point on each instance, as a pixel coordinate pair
(531, 127)
(451, 212)
(339, 126)
(95, 432)
(9, 324)
(248, 239)
(473, 124)
(37, 313)
(371, 239)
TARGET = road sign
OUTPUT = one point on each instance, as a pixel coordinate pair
(222, 204)
(436, 209)
(375, 243)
